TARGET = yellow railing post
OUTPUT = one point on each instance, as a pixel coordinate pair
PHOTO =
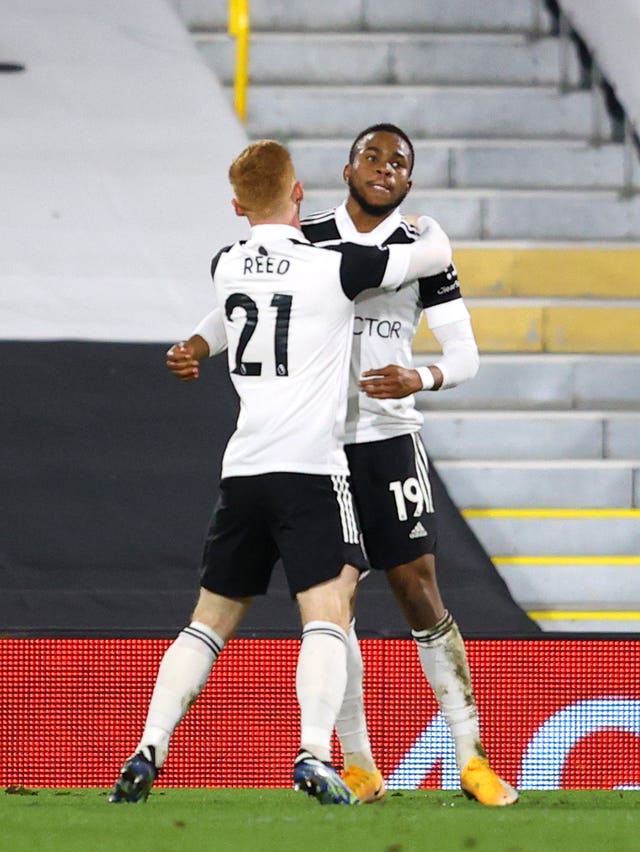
(239, 29)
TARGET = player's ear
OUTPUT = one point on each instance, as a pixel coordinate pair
(297, 193)
(239, 210)
(346, 173)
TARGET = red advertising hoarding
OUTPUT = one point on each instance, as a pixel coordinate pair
(555, 713)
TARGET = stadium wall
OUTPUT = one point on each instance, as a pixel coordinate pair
(113, 468)
(555, 714)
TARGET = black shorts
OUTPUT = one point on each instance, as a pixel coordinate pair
(392, 492)
(308, 520)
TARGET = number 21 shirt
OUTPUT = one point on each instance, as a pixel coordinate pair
(288, 316)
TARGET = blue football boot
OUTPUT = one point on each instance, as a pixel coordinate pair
(135, 780)
(321, 781)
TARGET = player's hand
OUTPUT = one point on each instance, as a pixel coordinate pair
(390, 382)
(422, 223)
(182, 362)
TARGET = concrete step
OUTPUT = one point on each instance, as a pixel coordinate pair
(345, 15)
(590, 621)
(479, 163)
(592, 583)
(551, 325)
(568, 270)
(485, 214)
(534, 382)
(511, 435)
(286, 112)
(569, 216)
(557, 164)
(552, 484)
(595, 594)
(391, 58)
(557, 533)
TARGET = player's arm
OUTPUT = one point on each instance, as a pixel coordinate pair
(388, 267)
(208, 339)
(212, 331)
(430, 254)
(448, 318)
(460, 360)
(458, 363)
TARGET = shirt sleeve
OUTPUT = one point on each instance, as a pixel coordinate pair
(216, 259)
(446, 312)
(440, 288)
(211, 328)
(366, 267)
(361, 267)
(460, 360)
(430, 254)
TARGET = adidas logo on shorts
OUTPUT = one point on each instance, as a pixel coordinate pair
(418, 531)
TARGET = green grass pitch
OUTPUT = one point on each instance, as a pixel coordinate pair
(224, 820)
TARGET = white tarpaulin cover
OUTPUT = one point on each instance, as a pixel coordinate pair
(612, 32)
(114, 148)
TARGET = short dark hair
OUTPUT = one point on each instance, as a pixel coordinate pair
(382, 128)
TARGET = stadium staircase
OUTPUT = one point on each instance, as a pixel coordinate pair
(520, 160)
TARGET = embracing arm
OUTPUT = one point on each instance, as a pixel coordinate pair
(429, 254)
(368, 267)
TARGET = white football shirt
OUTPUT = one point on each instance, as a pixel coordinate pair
(288, 319)
(385, 323)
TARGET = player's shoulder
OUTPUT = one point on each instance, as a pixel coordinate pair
(418, 221)
(224, 250)
(319, 216)
(321, 227)
(406, 231)
(409, 228)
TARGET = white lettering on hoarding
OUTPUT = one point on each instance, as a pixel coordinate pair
(547, 751)
(546, 754)
(434, 746)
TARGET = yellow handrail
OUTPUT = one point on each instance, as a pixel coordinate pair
(239, 28)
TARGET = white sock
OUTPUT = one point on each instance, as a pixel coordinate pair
(444, 662)
(321, 678)
(183, 672)
(351, 724)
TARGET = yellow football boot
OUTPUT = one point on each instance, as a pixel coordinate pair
(479, 781)
(368, 786)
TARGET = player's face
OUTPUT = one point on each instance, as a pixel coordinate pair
(378, 177)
